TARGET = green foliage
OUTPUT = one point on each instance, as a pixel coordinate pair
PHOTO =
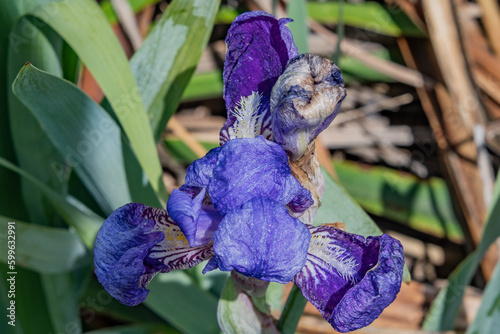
(370, 16)
(162, 73)
(44, 249)
(59, 150)
(191, 302)
(424, 205)
(53, 133)
(444, 310)
(487, 319)
(292, 311)
(297, 10)
(88, 138)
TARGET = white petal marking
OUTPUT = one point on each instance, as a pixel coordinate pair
(248, 122)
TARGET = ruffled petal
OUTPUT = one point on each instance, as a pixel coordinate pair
(174, 252)
(122, 244)
(199, 173)
(350, 279)
(134, 244)
(256, 167)
(304, 101)
(258, 49)
(197, 219)
(262, 240)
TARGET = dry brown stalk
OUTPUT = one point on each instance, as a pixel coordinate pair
(491, 20)
(462, 171)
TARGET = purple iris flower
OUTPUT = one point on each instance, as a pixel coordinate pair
(248, 205)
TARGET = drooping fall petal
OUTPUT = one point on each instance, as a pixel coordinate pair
(350, 279)
(134, 244)
(262, 240)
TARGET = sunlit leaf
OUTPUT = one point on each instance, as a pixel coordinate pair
(444, 310)
(41, 248)
(75, 214)
(165, 62)
(424, 205)
(297, 10)
(369, 15)
(82, 24)
(187, 302)
(81, 130)
(487, 319)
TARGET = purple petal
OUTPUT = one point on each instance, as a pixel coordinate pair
(258, 49)
(127, 246)
(197, 220)
(304, 101)
(122, 244)
(350, 279)
(262, 240)
(199, 173)
(256, 167)
(174, 252)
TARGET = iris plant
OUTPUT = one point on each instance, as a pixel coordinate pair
(248, 205)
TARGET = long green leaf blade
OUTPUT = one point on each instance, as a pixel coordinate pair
(166, 61)
(84, 221)
(444, 310)
(487, 319)
(191, 302)
(43, 249)
(297, 10)
(82, 24)
(292, 311)
(81, 130)
(35, 152)
(424, 205)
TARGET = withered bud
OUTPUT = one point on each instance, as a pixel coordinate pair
(304, 101)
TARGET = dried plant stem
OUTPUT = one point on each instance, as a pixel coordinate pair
(456, 153)
(391, 69)
(188, 139)
(491, 20)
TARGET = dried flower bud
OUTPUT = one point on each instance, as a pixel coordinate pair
(304, 101)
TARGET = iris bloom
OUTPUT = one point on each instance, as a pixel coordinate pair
(248, 205)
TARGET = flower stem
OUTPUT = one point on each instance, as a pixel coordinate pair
(292, 312)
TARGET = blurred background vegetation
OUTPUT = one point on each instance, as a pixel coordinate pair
(119, 97)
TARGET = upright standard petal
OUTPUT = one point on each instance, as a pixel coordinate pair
(304, 101)
(262, 240)
(256, 167)
(350, 279)
(134, 244)
(258, 49)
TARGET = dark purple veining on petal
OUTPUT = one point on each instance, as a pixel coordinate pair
(122, 244)
(197, 221)
(134, 244)
(350, 279)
